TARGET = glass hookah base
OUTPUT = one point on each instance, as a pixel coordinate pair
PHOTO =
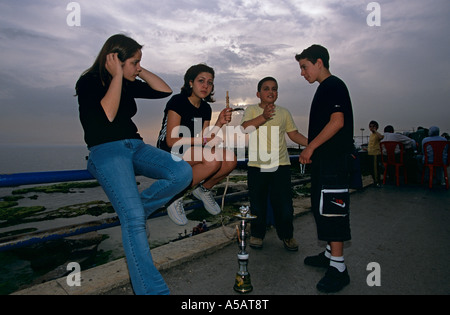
(243, 283)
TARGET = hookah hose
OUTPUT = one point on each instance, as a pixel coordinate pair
(234, 234)
(227, 102)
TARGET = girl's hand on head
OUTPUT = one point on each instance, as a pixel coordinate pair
(114, 65)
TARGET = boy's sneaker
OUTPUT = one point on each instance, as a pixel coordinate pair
(318, 261)
(256, 242)
(176, 212)
(206, 196)
(290, 244)
(333, 281)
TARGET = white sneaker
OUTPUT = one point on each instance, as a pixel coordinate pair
(206, 196)
(176, 212)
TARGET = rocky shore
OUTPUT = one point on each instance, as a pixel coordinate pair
(59, 205)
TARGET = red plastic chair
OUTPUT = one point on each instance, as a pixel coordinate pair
(438, 148)
(390, 158)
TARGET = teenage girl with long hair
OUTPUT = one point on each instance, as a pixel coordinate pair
(106, 96)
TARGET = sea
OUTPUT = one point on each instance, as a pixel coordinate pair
(16, 158)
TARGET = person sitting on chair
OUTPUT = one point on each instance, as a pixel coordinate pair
(433, 135)
(409, 145)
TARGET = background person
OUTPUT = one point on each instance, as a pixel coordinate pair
(374, 151)
(410, 147)
(433, 135)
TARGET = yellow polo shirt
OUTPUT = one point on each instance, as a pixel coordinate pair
(267, 145)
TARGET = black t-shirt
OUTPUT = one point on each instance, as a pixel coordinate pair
(97, 128)
(331, 96)
(192, 118)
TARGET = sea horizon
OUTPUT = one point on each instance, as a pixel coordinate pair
(27, 158)
(24, 158)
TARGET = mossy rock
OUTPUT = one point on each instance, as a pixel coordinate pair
(58, 188)
(11, 198)
(15, 215)
(7, 204)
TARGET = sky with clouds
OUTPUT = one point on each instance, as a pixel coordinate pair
(397, 72)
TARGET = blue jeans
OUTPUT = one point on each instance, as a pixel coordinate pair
(115, 165)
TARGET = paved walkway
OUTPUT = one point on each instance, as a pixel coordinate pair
(405, 230)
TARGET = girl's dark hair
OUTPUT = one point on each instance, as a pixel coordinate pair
(191, 74)
(126, 48)
(313, 53)
(374, 123)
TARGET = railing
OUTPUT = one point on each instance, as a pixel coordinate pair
(11, 180)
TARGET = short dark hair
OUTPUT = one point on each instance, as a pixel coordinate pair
(260, 83)
(374, 123)
(313, 53)
(389, 128)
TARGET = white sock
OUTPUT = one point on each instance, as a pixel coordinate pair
(328, 251)
(338, 263)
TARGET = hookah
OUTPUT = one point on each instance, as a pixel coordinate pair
(243, 282)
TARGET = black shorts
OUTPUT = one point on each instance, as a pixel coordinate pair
(334, 171)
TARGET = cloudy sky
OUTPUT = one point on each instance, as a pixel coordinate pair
(397, 72)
